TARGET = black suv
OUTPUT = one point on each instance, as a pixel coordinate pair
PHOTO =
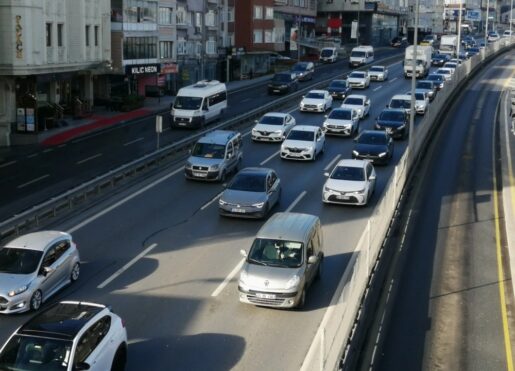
(440, 59)
(339, 89)
(283, 82)
(394, 121)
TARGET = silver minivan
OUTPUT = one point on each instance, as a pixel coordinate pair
(285, 258)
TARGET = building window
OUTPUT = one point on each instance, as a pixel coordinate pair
(181, 47)
(165, 15)
(49, 34)
(141, 11)
(268, 36)
(198, 48)
(140, 48)
(258, 36)
(96, 35)
(230, 15)
(210, 19)
(166, 49)
(258, 12)
(211, 46)
(87, 35)
(60, 34)
(182, 16)
(269, 13)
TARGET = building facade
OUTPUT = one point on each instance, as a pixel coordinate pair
(54, 58)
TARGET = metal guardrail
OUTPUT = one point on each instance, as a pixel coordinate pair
(32, 218)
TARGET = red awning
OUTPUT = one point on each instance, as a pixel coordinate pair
(334, 23)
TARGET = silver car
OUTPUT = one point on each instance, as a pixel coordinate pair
(34, 267)
(252, 193)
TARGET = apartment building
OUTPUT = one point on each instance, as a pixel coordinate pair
(167, 31)
(299, 20)
(54, 59)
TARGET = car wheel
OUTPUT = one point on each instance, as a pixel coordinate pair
(120, 359)
(319, 271)
(36, 300)
(302, 299)
(223, 177)
(74, 275)
(322, 151)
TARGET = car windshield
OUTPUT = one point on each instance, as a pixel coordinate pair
(313, 95)
(354, 101)
(424, 85)
(376, 69)
(19, 261)
(338, 84)
(271, 120)
(301, 135)
(357, 54)
(392, 116)
(439, 56)
(450, 65)
(281, 78)
(435, 77)
(373, 138)
(340, 114)
(299, 67)
(190, 103)
(36, 353)
(420, 96)
(208, 150)
(443, 72)
(276, 253)
(248, 183)
(326, 53)
(400, 103)
(358, 75)
(428, 38)
(348, 173)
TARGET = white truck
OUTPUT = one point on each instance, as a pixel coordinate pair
(449, 45)
(423, 61)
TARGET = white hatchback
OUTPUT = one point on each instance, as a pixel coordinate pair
(358, 102)
(316, 101)
(358, 79)
(273, 127)
(304, 142)
(445, 72)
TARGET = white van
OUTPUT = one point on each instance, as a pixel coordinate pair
(328, 55)
(198, 104)
(361, 55)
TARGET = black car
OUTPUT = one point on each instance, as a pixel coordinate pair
(373, 145)
(397, 42)
(283, 82)
(303, 70)
(439, 80)
(394, 121)
(472, 51)
(440, 59)
(430, 86)
(339, 89)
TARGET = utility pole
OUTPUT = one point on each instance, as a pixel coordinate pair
(486, 24)
(203, 40)
(459, 32)
(511, 20)
(411, 138)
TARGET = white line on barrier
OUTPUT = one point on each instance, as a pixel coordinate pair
(330, 165)
(48, 150)
(392, 80)
(379, 87)
(61, 145)
(269, 158)
(211, 201)
(229, 278)
(166, 128)
(245, 100)
(133, 141)
(125, 200)
(33, 181)
(88, 159)
(33, 155)
(7, 164)
(296, 201)
(127, 266)
(245, 134)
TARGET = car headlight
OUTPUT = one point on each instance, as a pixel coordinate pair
(382, 154)
(221, 202)
(327, 189)
(259, 205)
(188, 165)
(360, 111)
(355, 153)
(320, 105)
(278, 132)
(254, 131)
(419, 106)
(292, 282)
(243, 277)
(18, 291)
(360, 192)
(214, 167)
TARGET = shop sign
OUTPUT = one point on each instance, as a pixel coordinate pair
(167, 68)
(29, 119)
(142, 69)
(20, 119)
(473, 15)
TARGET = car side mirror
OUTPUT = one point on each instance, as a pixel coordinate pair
(386, 106)
(372, 177)
(46, 271)
(312, 259)
(326, 174)
(243, 253)
(325, 116)
(82, 366)
(256, 121)
(229, 155)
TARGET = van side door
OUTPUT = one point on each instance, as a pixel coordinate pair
(231, 158)
(310, 268)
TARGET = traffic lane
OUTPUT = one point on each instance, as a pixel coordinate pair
(423, 314)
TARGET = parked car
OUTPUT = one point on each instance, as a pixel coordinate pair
(421, 101)
(283, 82)
(303, 70)
(373, 145)
(440, 59)
(35, 266)
(316, 101)
(273, 127)
(358, 79)
(351, 182)
(358, 102)
(339, 89)
(342, 121)
(69, 335)
(378, 73)
(252, 193)
(394, 121)
(429, 86)
(304, 142)
(439, 80)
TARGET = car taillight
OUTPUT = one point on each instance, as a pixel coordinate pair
(123, 323)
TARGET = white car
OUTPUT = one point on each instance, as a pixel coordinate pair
(273, 127)
(304, 142)
(445, 72)
(358, 79)
(451, 65)
(316, 101)
(507, 33)
(342, 121)
(493, 36)
(351, 182)
(378, 73)
(358, 102)
(401, 101)
(421, 101)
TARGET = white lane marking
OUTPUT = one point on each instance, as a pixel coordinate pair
(392, 80)
(393, 64)
(127, 266)
(133, 141)
(229, 278)
(33, 155)
(88, 159)
(48, 150)
(7, 164)
(211, 201)
(245, 134)
(125, 200)
(245, 100)
(269, 158)
(61, 145)
(166, 129)
(330, 165)
(379, 87)
(136, 341)
(33, 181)
(296, 201)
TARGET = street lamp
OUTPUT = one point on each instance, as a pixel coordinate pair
(486, 25)
(413, 83)
(459, 32)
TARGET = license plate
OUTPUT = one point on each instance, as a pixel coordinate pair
(276, 91)
(200, 175)
(389, 130)
(342, 197)
(265, 296)
(238, 210)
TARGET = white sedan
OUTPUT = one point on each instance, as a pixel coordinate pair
(421, 101)
(358, 79)
(304, 142)
(273, 127)
(351, 182)
(316, 101)
(445, 72)
(358, 102)
(378, 73)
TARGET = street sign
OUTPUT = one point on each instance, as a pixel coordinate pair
(473, 15)
(159, 124)
(354, 30)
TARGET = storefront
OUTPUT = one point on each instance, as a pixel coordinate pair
(167, 80)
(141, 75)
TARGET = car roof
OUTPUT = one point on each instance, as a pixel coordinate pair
(288, 226)
(377, 66)
(305, 128)
(378, 133)
(363, 72)
(352, 163)
(63, 320)
(255, 171)
(218, 137)
(276, 114)
(38, 240)
(399, 110)
(356, 96)
(401, 96)
(318, 91)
